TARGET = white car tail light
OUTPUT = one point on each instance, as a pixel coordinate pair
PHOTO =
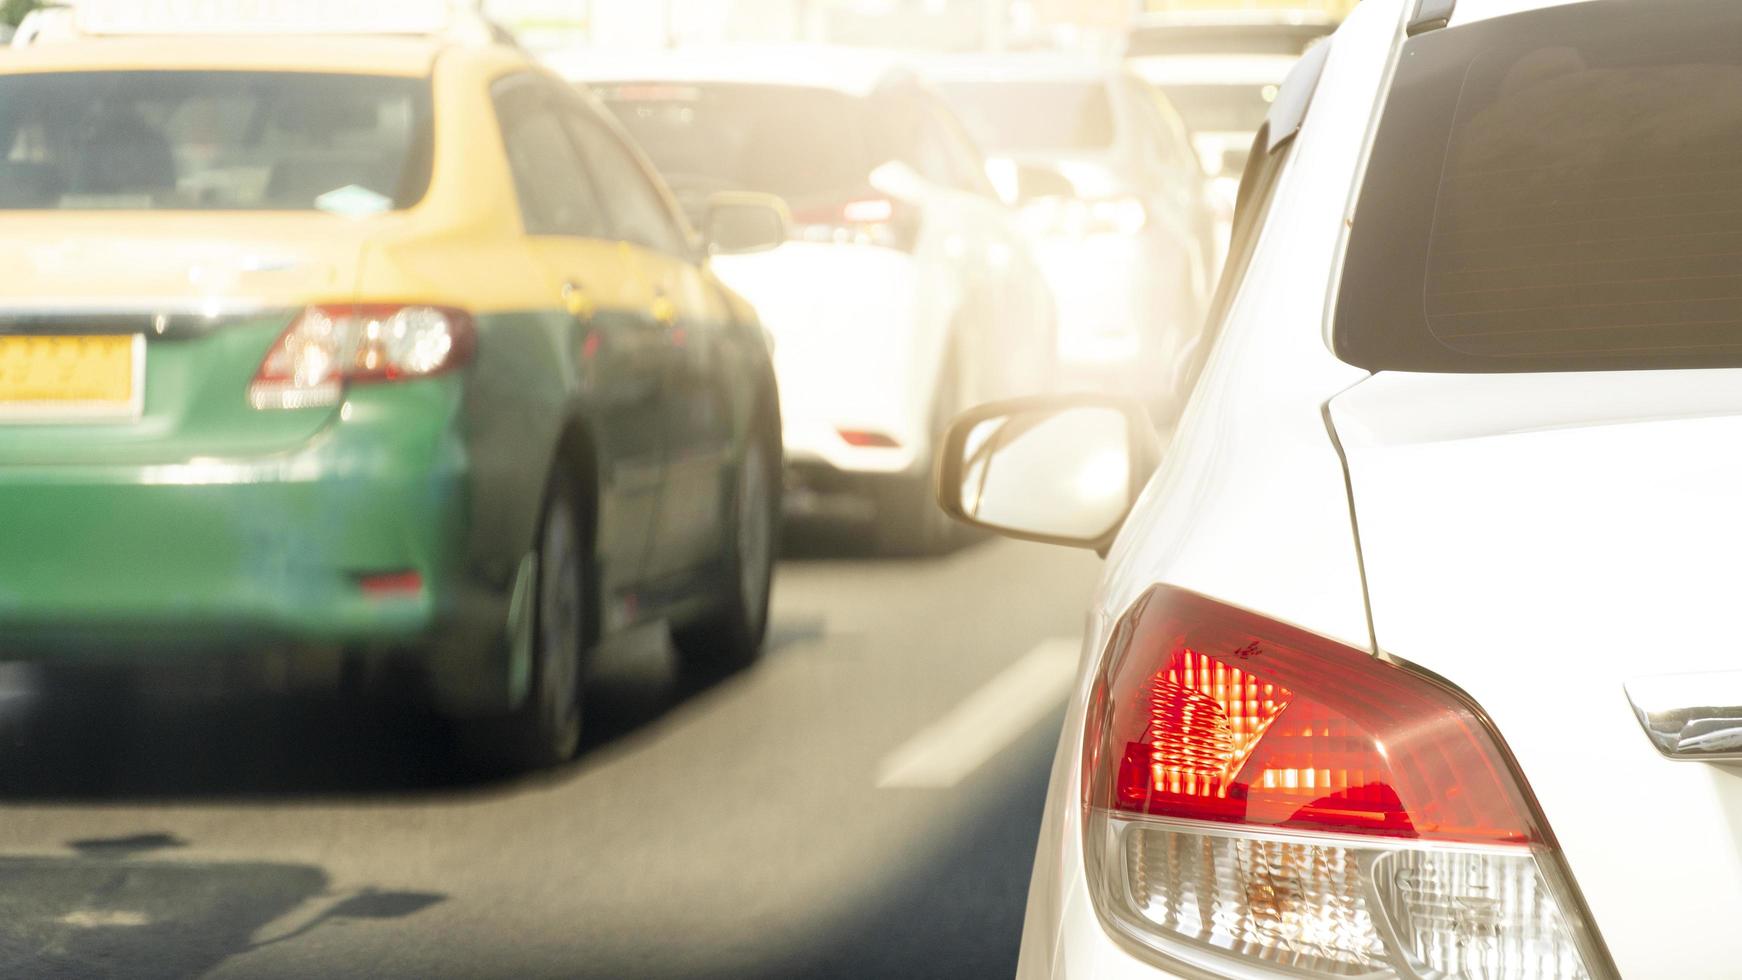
(327, 347)
(1261, 801)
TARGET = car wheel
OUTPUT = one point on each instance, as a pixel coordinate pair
(730, 637)
(546, 729)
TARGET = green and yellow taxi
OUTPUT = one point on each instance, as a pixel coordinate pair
(384, 345)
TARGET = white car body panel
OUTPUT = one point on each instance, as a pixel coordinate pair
(862, 333)
(1536, 539)
(1130, 301)
(851, 341)
(1249, 505)
(1547, 538)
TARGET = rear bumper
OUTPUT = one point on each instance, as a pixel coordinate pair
(157, 563)
(821, 445)
(858, 342)
(240, 553)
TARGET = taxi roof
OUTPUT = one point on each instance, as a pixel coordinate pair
(364, 55)
(850, 71)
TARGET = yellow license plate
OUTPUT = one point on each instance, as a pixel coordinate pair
(70, 377)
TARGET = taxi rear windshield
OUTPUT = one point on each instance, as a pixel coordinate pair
(1555, 190)
(213, 141)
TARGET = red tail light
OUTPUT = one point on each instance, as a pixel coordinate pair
(867, 440)
(327, 347)
(390, 584)
(1258, 794)
(1218, 714)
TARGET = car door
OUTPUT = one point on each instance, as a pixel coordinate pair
(602, 332)
(1011, 308)
(690, 316)
(1181, 188)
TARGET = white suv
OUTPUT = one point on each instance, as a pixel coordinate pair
(906, 292)
(1416, 657)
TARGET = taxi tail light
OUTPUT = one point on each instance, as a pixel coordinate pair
(328, 347)
(1259, 796)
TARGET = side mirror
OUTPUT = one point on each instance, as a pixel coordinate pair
(1059, 469)
(1034, 183)
(736, 223)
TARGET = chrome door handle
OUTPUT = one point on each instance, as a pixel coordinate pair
(1696, 717)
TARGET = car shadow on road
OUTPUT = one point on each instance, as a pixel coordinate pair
(106, 742)
(814, 540)
(113, 909)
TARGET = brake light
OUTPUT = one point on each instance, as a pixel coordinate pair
(387, 585)
(327, 347)
(861, 221)
(863, 439)
(1260, 795)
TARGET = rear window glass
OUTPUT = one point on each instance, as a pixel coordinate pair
(1014, 117)
(1585, 209)
(203, 140)
(805, 145)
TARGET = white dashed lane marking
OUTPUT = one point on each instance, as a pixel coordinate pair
(1002, 710)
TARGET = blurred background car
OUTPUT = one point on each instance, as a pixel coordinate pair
(1222, 68)
(906, 292)
(388, 345)
(1115, 207)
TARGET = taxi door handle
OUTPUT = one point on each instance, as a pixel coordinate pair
(578, 301)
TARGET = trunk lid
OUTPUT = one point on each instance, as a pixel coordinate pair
(1541, 540)
(209, 294)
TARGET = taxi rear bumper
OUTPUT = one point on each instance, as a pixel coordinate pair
(356, 540)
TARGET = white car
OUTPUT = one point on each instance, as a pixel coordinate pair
(906, 291)
(1415, 657)
(1127, 233)
(1221, 69)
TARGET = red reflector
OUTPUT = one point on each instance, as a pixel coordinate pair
(867, 440)
(391, 584)
(1207, 712)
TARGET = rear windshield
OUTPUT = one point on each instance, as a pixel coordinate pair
(801, 144)
(1014, 117)
(207, 140)
(1585, 209)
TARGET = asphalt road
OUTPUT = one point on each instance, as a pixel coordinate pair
(862, 804)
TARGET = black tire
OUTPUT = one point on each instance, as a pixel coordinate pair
(545, 730)
(730, 636)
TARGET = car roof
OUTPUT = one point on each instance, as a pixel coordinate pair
(372, 55)
(850, 71)
(1021, 66)
(1253, 18)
